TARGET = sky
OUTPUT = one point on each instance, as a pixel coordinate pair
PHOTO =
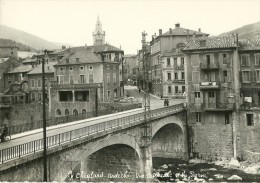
(73, 21)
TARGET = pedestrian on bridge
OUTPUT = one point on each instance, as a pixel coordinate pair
(4, 133)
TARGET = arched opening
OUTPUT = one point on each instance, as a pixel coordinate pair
(168, 142)
(75, 112)
(67, 112)
(84, 111)
(58, 112)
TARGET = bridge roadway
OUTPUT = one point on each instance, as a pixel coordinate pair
(32, 142)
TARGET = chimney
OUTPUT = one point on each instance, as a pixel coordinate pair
(152, 38)
(199, 30)
(160, 32)
(177, 25)
(170, 30)
(63, 47)
(188, 34)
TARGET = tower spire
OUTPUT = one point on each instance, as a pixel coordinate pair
(98, 34)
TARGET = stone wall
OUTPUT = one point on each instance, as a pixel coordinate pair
(22, 113)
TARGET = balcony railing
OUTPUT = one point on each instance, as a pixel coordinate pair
(209, 66)
(218, 106)
(210, 85)
(55, 84)
(178, 80)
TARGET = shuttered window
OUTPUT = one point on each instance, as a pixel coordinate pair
(195, 77)
(257, 59)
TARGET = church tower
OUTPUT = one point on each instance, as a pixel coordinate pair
(98, 34)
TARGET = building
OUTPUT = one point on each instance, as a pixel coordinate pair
(8, 51)
(222, 102)
(82, 79)
(99, 35)
(129, 69)
(170, 41)
(6, 64)
(173, 74)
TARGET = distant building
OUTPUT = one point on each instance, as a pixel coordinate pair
(171, 41)
(130, 74)
(8, 51)
(99, 35)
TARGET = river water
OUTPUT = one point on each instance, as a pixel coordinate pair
(185, 171)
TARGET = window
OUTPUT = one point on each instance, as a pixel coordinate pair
(169, 89)
(250, 119)
(58, 112)
(82, 79)
(257, 75)
(71, 78)
(84, 111)
(245, 76)
(90, 67)
(65, 96)
(257, 59)
(39, 96)
(176, 89)
(114, 77)
(33, 96)
(67, 112)
(81, 68)
(32, 82)
(227, 118)
(225, 76)
(39, 83)
(60, 79)
(82, 95)
(10, 76)
(168, 61)
(175, 75)
(169, 76)
(71, 68)
(91, 78)
(197, 94)
(182, 61)
(175, 61)
(183, 89)
(208, 59)
(108, 94)
(245, 60)
(224, 56)
(211, 94)
(77, 59)
(61, 68)
(182, 75)
(75, 112)
(198, 117)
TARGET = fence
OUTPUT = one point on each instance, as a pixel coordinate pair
(66, 119)
(56, 140)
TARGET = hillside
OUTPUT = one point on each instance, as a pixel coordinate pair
(21, 46)
(27, 39)
(250, 31)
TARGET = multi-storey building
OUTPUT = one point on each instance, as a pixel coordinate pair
(8, 51)
(129, 69)
(83, 78)
(170, 41)
(173, 74)
(144, 68)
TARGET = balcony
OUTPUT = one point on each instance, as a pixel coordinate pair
(178, 81)
(209, 85)
(212, 66)
(55, 84)
(218, 106)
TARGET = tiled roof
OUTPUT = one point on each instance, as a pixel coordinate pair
(182, 31)
(247, 44)
(211, 43)
(30, 60)
(174, 52)
(21, 69)
(2, 60)
(84, 56)
(103, 48)
(48, 68)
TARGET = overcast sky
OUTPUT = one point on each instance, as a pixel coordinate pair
(73, 21)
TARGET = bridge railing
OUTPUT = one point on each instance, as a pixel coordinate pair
(56, 140)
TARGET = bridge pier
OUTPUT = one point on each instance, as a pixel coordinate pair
(146, 164)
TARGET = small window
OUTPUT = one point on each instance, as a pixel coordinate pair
(71, 68)
(198, 117)
(182, 75)
(84, 111)
(183, 89)
(90, 67)
(82, 79)
(75, 112)
(227, 118)
(182, 61)
(169, 89)
(176, 89)
(168, 61)
(81, 68)
(211, 94)
(61, 69)
(169, 76)
(250, 119)
(176, 75)
(197, 94)
(67, 112)
(58, 112)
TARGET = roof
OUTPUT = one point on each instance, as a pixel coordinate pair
(2, 60)
(20, 69)
(211, 43)
(48, 68)
(175, 52)
(248, 44)
(179, 31)
(84, 56)
(30, 60)
(104, 48)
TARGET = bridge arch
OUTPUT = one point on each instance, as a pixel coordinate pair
(169, 138)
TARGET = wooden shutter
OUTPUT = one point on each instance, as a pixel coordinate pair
(192, 97)
(201, 97)
(229, 76)
(253, 76)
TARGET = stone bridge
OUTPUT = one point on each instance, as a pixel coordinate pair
(102, 150)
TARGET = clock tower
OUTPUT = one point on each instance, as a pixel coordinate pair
(98, 34)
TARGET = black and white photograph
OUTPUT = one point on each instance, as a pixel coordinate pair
(130, 91)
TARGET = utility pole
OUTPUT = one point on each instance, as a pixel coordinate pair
(44, 121)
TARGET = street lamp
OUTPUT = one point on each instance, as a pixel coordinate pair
(44, 120)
